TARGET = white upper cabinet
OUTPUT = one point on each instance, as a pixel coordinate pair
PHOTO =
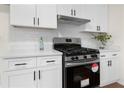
(42, 16)
(22, 15)
(47, 16)
(79, 10)
(72, 10)
(64, 9)
(99, 16)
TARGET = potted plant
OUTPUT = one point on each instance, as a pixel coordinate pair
(103, 38)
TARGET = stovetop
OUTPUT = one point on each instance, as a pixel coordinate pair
(73, 52)
(77, 51)
(72, 46)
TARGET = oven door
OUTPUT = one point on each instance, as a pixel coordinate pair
(87, 75)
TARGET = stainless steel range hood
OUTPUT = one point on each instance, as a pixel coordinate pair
(72, 20)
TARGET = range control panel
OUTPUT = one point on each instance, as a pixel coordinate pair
(82, 57)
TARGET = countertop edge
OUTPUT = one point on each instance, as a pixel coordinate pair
(39, 54)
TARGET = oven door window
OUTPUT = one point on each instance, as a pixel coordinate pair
(82, 76)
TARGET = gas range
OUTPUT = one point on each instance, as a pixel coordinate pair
(79, 64)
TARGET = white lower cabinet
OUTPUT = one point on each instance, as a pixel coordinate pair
(20, 79)
(40, 76)
(104, 75)
(32, 78)
(109, 68)
(49, 78)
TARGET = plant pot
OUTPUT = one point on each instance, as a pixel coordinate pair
(102, 46)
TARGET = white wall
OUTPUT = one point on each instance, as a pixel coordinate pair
(27, 39)
(69, 30)
(4, 28)
(116, 28)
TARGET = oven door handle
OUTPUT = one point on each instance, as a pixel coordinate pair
(78, 64)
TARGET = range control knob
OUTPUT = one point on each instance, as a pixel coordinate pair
(72, 58)
(85, 57)
(76, 58)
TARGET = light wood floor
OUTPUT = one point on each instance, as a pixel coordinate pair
(114, 85)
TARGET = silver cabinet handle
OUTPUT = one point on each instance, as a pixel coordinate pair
(34, 20)
(38, 21)
(99, 28)
(39, 74)
(108, 63)
(20, 64)
(50, 61)
(114, 54)
(103, 56)
(72, 12)
(34, 75)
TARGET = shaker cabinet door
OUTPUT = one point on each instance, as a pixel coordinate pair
(114, 76)
(65, 9)
(47, 16)
(49, 78)
(22, 15)
(20, 79)
(79, 10)
(104, 72)
(99, 16)
(72, 10)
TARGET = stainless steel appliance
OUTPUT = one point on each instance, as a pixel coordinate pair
(80, 65)
(72, 20)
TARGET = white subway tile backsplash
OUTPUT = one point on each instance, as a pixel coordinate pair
(22, 46)
(27, 39)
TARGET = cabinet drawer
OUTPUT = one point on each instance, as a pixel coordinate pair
(51, 60)
(104, 55)
(21, 63)
(108, 55)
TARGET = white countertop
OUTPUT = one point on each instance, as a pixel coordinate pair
(109, 50)
(32, 54)
(51, 52)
